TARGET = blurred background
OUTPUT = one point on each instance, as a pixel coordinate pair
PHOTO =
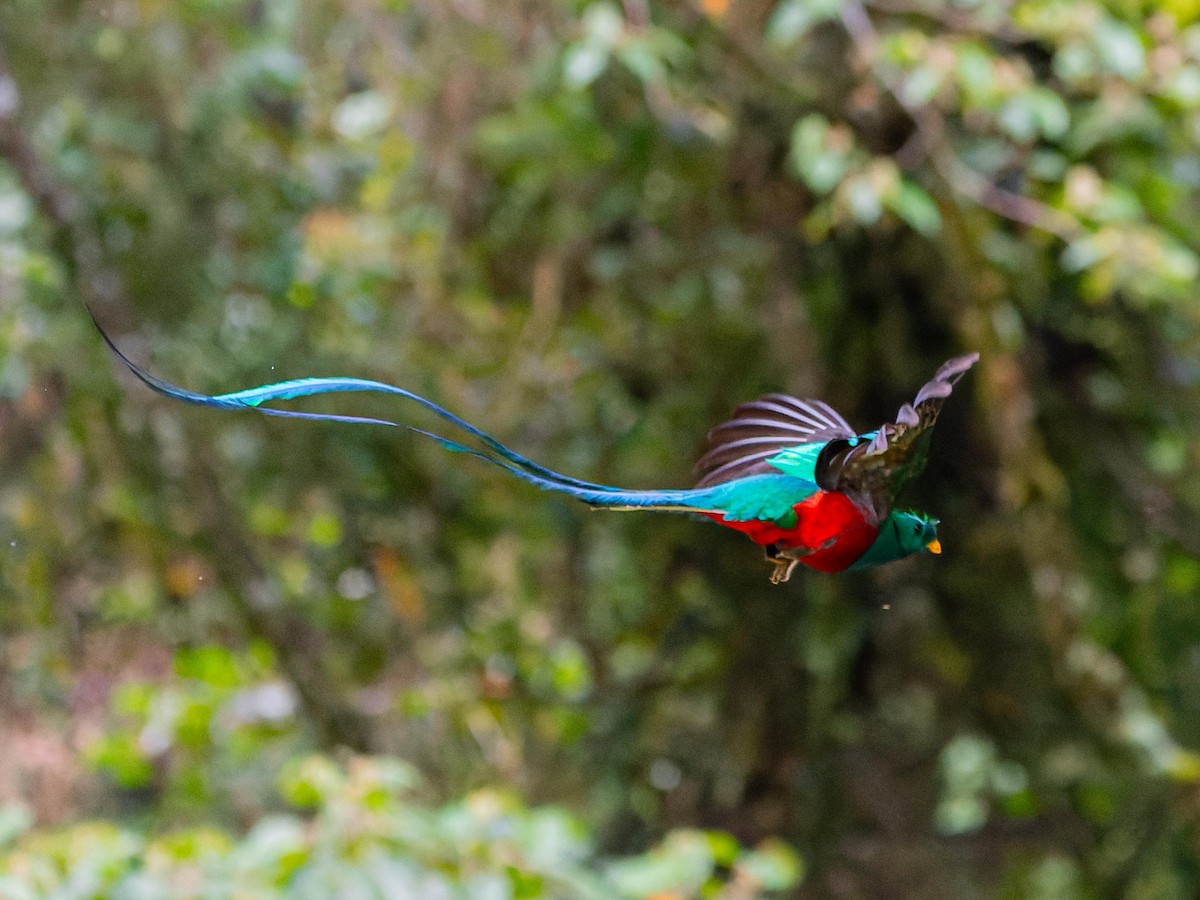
(245, 657)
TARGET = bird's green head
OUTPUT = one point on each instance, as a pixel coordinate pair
(904, 532)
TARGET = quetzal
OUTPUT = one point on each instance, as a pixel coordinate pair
(790, 474)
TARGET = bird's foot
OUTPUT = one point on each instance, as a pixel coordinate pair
(783, 569)
(784, 561)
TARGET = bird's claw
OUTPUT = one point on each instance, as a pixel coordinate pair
(784, 561)
(783, 569)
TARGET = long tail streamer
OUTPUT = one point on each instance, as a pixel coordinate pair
(504, 457)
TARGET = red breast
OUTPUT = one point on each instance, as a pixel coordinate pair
(826, 520)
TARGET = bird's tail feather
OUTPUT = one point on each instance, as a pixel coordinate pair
(591, 493)
(602, 496)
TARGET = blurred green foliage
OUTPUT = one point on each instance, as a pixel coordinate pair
(368, 837)
(593, 228)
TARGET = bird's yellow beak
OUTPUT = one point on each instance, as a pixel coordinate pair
(934, 546)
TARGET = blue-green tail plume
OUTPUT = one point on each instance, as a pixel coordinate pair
(254, 398)
(749, 500)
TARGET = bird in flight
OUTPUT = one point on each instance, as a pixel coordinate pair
(790, 474)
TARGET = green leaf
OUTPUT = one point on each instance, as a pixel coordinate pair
(681, 863)
(571, 674)
(1184, 86)
(1119, 48)
(15, 820)
(1075, 62)
(275, 848)
(1018, 119)
(310, 781)
(210, 664)
(792, 19)
(362, 115)
(640, 59)
(324, 529)
(862, 197)
(922, 84)
(584, 62)
(603, 24)
(725, 849)
(1050, 113)
(975, 73)
(916, 207)
(15, 210)
(1082, 253)
(819, 154)
(122, 759)
(552, 837)
(773, 865)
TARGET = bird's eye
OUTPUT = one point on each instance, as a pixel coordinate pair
(918, 528)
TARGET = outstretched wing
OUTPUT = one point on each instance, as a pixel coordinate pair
(872, 471)
(762, 428)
